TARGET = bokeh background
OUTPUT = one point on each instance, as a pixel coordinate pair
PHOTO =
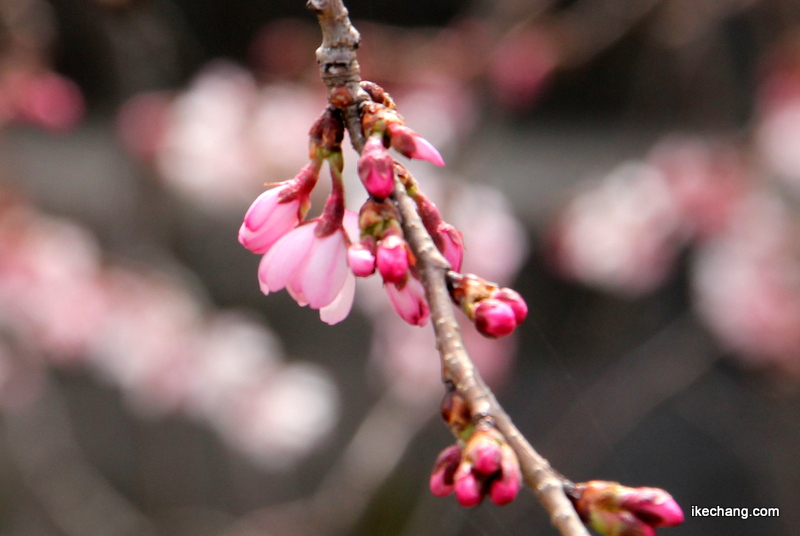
(632, 167)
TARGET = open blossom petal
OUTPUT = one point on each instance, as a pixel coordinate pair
(296, 291)
(283, 260)
(340, 307)
(409, 302)
(324, 274)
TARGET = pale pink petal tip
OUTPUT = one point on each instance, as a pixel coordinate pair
(340, 307)
(424, 150)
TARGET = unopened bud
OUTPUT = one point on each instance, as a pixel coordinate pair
(361, 260)
(442, 482)
(505, 488)
(616, 510)
(515, 301)
(452, 245)
(411, 145)
(376, 168)
(494, 318)
(392, 259)
(467, 486)
(483, 450)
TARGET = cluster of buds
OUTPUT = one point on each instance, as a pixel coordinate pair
(317, 261)
(480, 464)
(495, 311)
(616, 510)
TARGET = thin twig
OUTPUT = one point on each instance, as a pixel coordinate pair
(339, 68)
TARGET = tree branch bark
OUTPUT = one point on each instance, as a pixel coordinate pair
(339, 69)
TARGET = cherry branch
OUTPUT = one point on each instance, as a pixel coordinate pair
(340, 72)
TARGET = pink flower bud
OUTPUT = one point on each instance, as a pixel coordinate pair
(277, 211)
(361, 260)
(505, 489)
(267, 220)
(392, 259)
(612, 509)
(494, 318)
(515, 301)
(654, 506)
(442, 481)
(452, 245)
(376, 168)
(483, 451)
(411, 145)
(409, 301)
(468, 487)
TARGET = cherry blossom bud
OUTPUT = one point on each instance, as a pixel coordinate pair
(442, 482)
(392, 259)
(494, 318)
(411, 145)
(654, 506)
(409, 301)
(515, 301)
(376, 168)
(504, 489)
(615, 510)
(452, 245)
(277, 211)
(483, 451)
(467, 486)
(361, 260)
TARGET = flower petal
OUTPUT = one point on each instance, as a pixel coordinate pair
(339, 308)
(282, 219)
(323, 275)
(285, 257)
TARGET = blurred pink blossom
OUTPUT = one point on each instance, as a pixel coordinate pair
(747, 285)
(149, 335)
(622, 233)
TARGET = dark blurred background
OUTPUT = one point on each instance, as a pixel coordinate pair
(632, 168)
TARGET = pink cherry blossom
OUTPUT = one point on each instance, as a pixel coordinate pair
(452, 245)
(313, 269)
(514, 300)
(392, 259)
(376, 168)
(441, 482)
(610, 508)
(468, 487)
(495, 318)
(411, 145)
(361, 260)
(409, 301)
(277, 211)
